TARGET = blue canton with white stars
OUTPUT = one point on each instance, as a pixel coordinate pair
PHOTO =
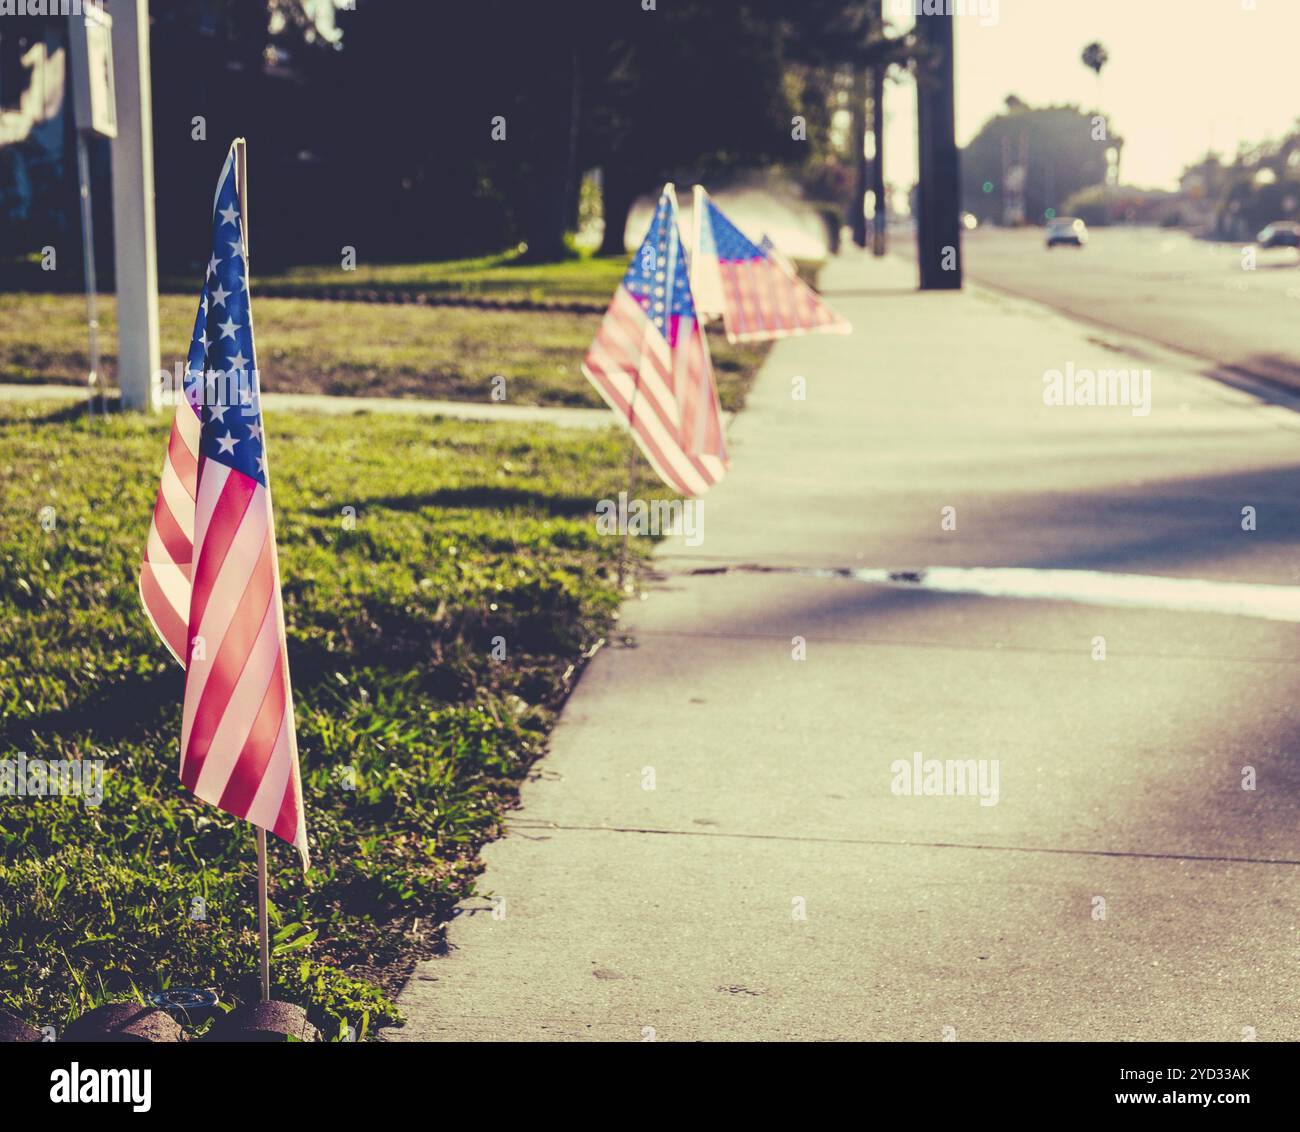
(221, 378)
(657, 277)
(732, 244)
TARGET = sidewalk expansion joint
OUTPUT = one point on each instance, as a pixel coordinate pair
(1129, 854)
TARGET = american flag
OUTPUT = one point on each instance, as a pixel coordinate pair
(757, 293)
(650, 362)
(210, 580)
(773, 253)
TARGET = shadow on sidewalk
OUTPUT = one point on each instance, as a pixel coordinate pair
(1187, 527)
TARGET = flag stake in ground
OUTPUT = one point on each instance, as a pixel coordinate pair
(631, 494)
(240, 148)
(210, 579)
(263, 927)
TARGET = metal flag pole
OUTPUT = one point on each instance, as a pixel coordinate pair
(631, 480)
(263, 919)
(88, 263)
(695, 267)
(241, 186)
(697, 223)
(671, 192)
(263, 929)
(631, 490)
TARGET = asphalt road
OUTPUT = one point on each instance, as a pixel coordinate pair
(1189, 294)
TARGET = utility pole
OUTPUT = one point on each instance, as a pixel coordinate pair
(878, 162)
(859, 218)
(938, 230)
(134, 251)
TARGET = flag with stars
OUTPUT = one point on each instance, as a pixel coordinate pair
(752, 287)
(773, 253)
(210, 580)
(650, 362)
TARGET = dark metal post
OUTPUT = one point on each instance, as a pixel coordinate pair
(858, 220)
(878, 164)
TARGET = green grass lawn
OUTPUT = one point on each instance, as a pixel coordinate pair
(498, 278)
(501, 278)
(413, 737)
(356, 349)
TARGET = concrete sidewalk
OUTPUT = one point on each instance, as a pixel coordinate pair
(562, 415)
(772, 884)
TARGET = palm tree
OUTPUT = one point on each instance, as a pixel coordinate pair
(1095, 56)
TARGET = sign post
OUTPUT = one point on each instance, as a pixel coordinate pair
(95, 110)
(134, 254)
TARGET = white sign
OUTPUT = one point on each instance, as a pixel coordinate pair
(91, 34)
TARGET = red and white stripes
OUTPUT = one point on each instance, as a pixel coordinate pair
(165, 572)
(765, 302)
(210, 585)
(665, 394)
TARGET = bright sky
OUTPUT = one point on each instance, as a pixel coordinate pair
(1183, 76)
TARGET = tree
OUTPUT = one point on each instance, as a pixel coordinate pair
(691, 87)
(1262, 184)
(1061, 151)
(415, 92)
(847, 46)
(230, 68)
(422, 130)
(1095, 57)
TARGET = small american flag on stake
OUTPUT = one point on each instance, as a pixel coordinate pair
(650, 362)
(755, 291)
(769, 249)
(210, 580)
